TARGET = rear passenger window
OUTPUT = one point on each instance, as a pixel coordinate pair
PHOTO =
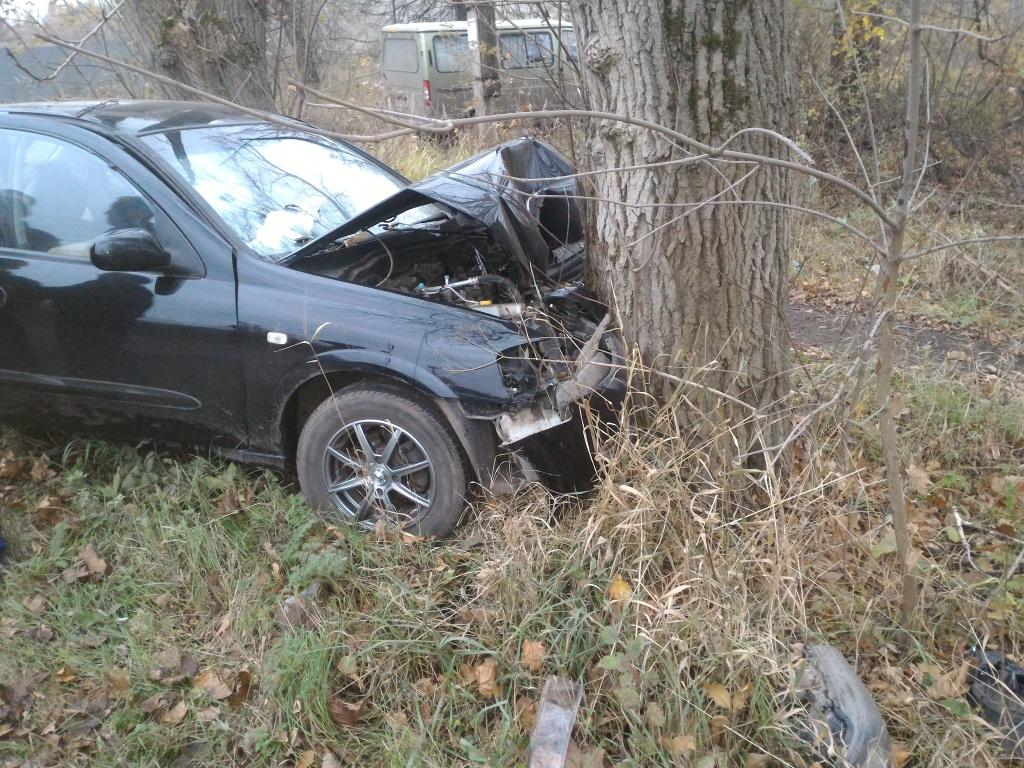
(56, 197)
(451, 53)
(400, 54)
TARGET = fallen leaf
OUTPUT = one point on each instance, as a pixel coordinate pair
(719, 694)
(225, 624)
(48, 509)
(75, 573)
(41, 470)
(680, 745)
(330, 761)
(243, 682)
(175, 714)
(486, 676)
(208, 715)
(120, 681)
(756, 760)
(152, 704)
(65, 675)
(97, 565)
(34, 605)
(211, 682)
(619, 590)
(886, 546)
(526, 712)
(577, 757)
(93, 641)
(944, 684)
(344, 714)
(228, 501)
(173, 667)
(900, 756)
(1008, 483)
(918, 479)
(305, 759)
(533, 655)
(741, 697)
(40, 633)
(655, 715)
(719, 728)
(348, 667)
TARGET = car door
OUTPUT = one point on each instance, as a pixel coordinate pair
(134, 354)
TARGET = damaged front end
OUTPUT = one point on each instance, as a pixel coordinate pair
(499, 234)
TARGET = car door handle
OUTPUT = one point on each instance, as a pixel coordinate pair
(3, 298)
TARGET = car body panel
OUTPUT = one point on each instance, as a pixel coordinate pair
(102, 351)
(216, 350)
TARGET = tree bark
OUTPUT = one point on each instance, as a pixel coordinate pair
(711, 285)
(217, 45)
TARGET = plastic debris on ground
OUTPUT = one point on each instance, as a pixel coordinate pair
(556, 716)
(997, 689)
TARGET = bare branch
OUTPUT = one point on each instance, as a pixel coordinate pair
(959, 243)
(930, 27)
(713, 153)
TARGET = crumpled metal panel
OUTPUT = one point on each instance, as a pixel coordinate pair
(506, 189)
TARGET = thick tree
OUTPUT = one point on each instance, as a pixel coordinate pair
(217, 45)
(695, 283)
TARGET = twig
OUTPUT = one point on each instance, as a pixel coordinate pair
(969, 241)
(714, 153)
(963, 539)
(930, 27)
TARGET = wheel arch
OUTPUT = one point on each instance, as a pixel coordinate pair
(475, 437)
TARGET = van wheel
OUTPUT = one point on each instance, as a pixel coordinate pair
(371, 453)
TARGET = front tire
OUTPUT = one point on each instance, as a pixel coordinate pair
(371, 453)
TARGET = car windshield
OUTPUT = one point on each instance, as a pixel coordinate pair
(278, 189)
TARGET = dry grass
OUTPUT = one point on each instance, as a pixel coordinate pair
(722, 590)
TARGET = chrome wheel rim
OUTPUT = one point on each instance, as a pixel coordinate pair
(376, 470)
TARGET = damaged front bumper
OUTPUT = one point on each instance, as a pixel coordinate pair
(596, 371)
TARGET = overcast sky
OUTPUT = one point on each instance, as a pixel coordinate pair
(22, 8)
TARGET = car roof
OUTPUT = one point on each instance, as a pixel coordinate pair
(134, 118)
(462, 26)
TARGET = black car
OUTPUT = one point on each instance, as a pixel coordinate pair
(182, 272)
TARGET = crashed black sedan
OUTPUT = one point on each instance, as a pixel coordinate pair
(185, 273)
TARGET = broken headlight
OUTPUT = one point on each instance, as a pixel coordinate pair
(519, 372)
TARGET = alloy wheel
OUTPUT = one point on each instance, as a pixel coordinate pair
(377, 470)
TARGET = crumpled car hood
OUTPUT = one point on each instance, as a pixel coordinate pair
(505, 189)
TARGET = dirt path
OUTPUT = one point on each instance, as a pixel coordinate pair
(841, 333)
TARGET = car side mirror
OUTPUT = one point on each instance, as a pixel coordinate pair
(129, 250)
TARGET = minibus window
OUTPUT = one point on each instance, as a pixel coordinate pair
(513, 51)
(538, 49)
(451, 53)
(569, 40)
(400, 54)
(521, 50)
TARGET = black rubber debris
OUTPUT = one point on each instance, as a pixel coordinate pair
(997, 690)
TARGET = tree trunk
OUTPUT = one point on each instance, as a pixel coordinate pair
(709, 285)
(216, 45)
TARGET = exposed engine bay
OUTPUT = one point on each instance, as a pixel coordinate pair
(501, 234)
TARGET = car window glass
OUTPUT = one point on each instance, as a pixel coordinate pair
(569, 40)
(400, 54)
(56, 197)
(520, 50)
(512, 48)
(539, 51)
(278, 189)
(451, 53)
